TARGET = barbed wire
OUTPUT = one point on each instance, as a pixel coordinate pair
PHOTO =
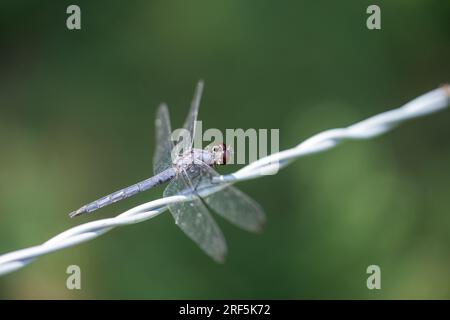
(428, 103)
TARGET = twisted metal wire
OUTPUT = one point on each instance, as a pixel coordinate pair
(428, 103)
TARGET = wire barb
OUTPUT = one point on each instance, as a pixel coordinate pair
(428, 103)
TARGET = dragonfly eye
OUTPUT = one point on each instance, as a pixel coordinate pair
(225, 154)
(220, 153)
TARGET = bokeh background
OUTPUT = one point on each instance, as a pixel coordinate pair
(77, 122)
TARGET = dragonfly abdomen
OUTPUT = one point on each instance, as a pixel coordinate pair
(126, 192)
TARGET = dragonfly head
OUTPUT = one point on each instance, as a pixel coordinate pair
(220, 153)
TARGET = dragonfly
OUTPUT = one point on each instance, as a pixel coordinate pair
(190, 171)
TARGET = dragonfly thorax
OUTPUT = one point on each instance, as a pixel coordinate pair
(194, 156)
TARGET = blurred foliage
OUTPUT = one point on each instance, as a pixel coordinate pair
(76, 122)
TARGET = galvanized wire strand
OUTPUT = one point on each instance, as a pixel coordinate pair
(428, 103)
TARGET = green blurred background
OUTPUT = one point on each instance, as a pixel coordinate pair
(77, 122)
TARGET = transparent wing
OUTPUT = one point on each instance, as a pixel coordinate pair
(190, 122)
(229, 202)
(162, 158)
(195, 220)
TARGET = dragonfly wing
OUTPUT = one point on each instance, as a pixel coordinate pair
(195, 220)
(238, 208)
(191, 119)
(229, 202)
(162, 158)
